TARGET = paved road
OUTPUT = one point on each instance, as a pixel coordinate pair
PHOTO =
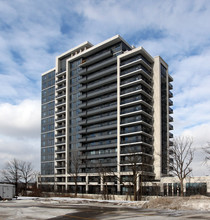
(107, 213)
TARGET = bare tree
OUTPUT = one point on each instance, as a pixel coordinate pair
(104, 173)
(11, 173)
(183, 155)
(207, 152)
(17, 172)
(26, 172)
(134, 162)
(74, 168)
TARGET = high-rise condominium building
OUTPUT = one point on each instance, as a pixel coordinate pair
(102, 107)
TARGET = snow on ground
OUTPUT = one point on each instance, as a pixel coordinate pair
(83, 201)
(27, 208)
(45, 208)
(201, 203)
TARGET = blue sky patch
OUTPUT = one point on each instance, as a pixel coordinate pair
(16, 56)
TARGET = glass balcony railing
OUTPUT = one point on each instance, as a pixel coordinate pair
(134, 109)
(135, 68)
(135, 58)
(133, 139)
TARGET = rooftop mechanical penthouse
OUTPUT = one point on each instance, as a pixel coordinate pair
(100, 105)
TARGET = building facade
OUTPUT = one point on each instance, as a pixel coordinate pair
(105, 109)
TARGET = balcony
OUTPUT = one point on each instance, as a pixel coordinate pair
(60, 149)
(98, 138)
(61, 94)
(171, 111)
(170, 94)
(135, 132)
(136, 100)
(133, 71)
(61, 87)
(99, 92)
(60, 180)
(140, 60)
(60, 102)
(171, 127)
(97, 147)
(171, 135)
(60, 165)
(60, 142)
(136, 82)
(60, 121)
(170, 86)
(97, 155)
(171, 143)
(93, 166)
(170, 102)
(135, 140)
(171, 119)
(60, 172)
(60, 158)
(99, 66)
(170, 78)
(97, 129)
(131, 59)
(171, 160)
(135, 92)
(136, 143)
(136, 113)
(98, 119)
(97, 102)
(101, 83)
(60, 118)
(60, 134)
(98, 74)
(60, 126)
(135, 120)
(96, 58)
(61, 72)
(60, 79)
(88, 113)
(135, 108)
(60, 110)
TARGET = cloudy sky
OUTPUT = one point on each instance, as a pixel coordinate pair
(32, 33)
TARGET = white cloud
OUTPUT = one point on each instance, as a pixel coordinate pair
(20, 132)
(25, 149)
(22, 120)
(191, 89)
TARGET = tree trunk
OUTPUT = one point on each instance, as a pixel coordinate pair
(182, 187)
(16, 188)
(135, 193)
(140, 187)
(75, 194)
